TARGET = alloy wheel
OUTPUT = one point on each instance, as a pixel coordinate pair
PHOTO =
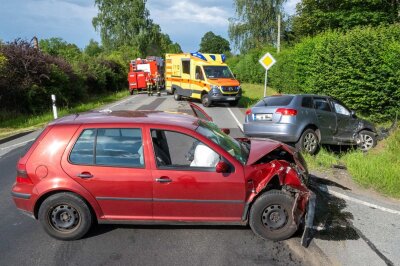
(367, 143)
(310, 142)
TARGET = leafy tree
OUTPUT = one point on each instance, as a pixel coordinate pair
(59, 47)
(255, 24)
(93, 48)
(314, 16)
(126, 23)
(121, 22)
(211, 43)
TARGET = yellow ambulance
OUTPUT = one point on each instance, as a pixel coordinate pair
(201, 76)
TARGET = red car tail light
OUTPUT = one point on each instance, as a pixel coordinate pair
(286, 111)
(22, 175)
(248, 112)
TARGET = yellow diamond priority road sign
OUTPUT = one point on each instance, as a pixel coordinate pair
(267, 61)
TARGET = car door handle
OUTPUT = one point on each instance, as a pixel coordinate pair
(85, 175)
(164, 179)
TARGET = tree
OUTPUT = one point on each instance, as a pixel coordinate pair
(121, 22)
(127, 23)
(59, 47)
(255, 23)
(93, 48)
(314, 16)
(215, 44)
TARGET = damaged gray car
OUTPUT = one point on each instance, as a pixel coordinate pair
(307, 121)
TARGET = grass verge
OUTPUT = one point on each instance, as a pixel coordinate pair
(29, 122)
(252, 93)
(378, 169)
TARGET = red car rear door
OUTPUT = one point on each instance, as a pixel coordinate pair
(110, 164)
(184, 191)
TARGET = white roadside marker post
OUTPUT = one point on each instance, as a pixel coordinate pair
(53, 100)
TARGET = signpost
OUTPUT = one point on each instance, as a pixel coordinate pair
(267, 61)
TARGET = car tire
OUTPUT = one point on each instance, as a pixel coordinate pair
(271, 216)
(65, 216)
(131, 92)
(205, 100)
(308, 142)
(369, 140)
(177, 97)
(234, 103)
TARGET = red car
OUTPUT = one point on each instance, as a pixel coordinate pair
(141, 167)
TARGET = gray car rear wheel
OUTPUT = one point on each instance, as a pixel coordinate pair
(308, 142)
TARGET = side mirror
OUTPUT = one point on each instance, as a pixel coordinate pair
(221, 167)
(227, 131)
(353, 114)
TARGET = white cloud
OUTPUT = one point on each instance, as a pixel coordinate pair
(190, 12)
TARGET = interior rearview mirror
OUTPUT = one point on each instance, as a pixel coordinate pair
(222, 167)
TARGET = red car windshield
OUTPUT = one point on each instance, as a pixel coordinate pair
(237, 149)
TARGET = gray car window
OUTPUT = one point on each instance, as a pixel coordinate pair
(340, 109)
(275, 101)
(307, 102)
(322, 104)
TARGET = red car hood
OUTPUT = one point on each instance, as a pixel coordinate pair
(261, 147)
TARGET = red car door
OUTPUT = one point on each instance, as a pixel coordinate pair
(109, 163)
(184, 191)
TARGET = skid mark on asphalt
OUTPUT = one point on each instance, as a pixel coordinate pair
(373, 247)
(153, 105)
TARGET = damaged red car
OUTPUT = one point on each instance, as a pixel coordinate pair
(152, 167)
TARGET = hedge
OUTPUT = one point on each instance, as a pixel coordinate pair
(360, 67)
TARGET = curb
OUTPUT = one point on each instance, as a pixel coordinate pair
(18, 135)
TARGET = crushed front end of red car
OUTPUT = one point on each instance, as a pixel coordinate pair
(274, 165)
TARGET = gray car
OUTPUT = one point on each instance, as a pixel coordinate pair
(308, 120)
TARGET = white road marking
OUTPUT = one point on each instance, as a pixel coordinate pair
(121, 102)
(17, 144)
(234, 117)
(345, 197)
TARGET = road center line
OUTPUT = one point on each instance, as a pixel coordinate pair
(17, 144)
(237, 121)
(371, 205)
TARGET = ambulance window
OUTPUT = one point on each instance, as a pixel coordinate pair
(199, 73)
(186, 67)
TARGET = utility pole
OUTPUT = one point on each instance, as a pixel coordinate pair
(35, 42)
(278, 41)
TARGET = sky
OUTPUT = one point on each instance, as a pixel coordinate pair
(185, 21)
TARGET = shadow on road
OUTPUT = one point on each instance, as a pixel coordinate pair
(331, 221)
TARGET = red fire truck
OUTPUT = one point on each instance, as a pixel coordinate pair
(142, 71)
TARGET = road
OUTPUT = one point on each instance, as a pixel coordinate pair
(352, 227)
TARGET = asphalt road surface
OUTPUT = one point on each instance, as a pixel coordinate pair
(352, 227)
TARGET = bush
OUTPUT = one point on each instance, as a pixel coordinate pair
(247, 68)
(28, 77)
(360, 67)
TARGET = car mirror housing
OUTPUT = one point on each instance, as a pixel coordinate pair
(227, 131)
(353, 114)
(221, 167)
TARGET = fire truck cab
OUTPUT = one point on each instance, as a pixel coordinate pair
(201, 76)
